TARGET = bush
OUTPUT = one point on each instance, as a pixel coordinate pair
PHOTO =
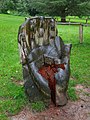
(16, 13)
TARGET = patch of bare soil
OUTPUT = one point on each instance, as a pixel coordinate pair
(17, 82)
(78, 110)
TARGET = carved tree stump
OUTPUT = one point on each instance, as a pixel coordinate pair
(45, 60)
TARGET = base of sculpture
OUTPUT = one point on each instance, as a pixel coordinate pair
(35, 94)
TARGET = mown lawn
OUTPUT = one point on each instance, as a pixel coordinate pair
(75, 19)
(80, 56)
(12, 97)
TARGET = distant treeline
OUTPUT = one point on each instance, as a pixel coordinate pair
(18, 7)
(60, 8)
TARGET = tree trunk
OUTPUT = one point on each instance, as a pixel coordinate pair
(63, 15)
(63, 19)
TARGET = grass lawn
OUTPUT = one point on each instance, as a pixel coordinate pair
(75, 19)
(80, 56)
(12, 97)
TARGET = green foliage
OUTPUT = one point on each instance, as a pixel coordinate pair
(13, 5)
(62, 8)
(6, 5)
(17, 13)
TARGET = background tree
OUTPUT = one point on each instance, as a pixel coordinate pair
(62, 8)
(6, 5)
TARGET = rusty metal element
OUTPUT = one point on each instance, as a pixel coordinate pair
(45, 60)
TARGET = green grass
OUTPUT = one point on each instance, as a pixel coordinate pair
(75, 19)
(80, 56)
(79, 20)
(38, 106)
(12, 97)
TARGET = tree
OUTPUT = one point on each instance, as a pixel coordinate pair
(62, 8)
(14, 5)
(6, 5)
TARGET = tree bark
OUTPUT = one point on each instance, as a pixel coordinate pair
(63, 19)
(63, 15)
